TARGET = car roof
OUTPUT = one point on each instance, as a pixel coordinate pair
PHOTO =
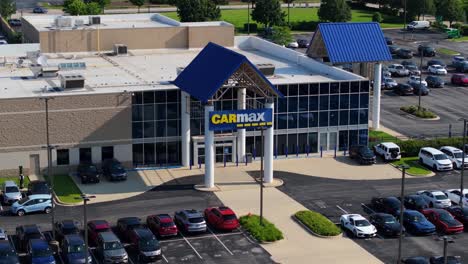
(5, 244)
(143, 232)
(390, 144)
(164, 218)
(37, 182)
(381, 214)
(99, 223)
(224, 210)
(68, 223)
(391, 198)
(355, 217)
(432, 150)
(30, 228)
(130, 220)
(108, 236)
(74, 239)
(39, 196)
(411, 212)
(192, 213)
(451, 149)
(437, 192)
(10, 183)
(38, 243)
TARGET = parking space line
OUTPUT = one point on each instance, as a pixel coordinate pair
(370, 209)
(232, 254)
(165, 259)
(12, 243)
(246, 236)
(342, 209)
(198, 237)
(60, 257)
(130, 260)
(198, 254)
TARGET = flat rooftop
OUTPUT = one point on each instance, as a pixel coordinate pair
(118, 21)
(142, 70)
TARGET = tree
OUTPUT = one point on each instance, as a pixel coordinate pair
(7, 8)
(75, 7)
(417, 8)
(138, 3)
(450, 10)
(102, 3)
(93, 8)
(377, 17)
(281, 35)
(268, 12)
(334, 11)
(197, 10)
(289, 3)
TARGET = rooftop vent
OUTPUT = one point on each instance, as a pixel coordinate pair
(49, 71)
(120, 49)
(266, 69)
(72, 81)
(62, 22)
(79, 22)
(36, 69)
(94, 20)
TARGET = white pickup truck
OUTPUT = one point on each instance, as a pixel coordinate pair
(388, 151)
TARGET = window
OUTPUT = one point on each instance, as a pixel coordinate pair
(282, 121)
(334, 102)
(304, 89)
(313, 103)
(313, 119)
(148, 112)
(344, 87)
(354, 87)
(364, 101)
(281, 145)
(333, 118)
(353, 117)
(354, 101)
(292, 121)
(303, 103)
(323, 119)
(313, 89)
(282, 105)
(293, 90)
(85, 155)
(324, 102)
(107, 152)
(363, 116)
(334, 88)
(344, 117)
(364, 87)
(325, 88)
(344, 101)
(292, 104)
(303, 120)
(63, 157)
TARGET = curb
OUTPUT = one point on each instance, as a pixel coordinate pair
(57, 201)
(420, 118)
(310, 230)
(413, 175)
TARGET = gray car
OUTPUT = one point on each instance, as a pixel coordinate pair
(110, 249)
(190, 220)
(10, 192)
(388, 83)
(3, 235)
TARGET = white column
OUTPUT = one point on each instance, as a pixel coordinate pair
(241, 105)
(209, 149)
(185, 108)
(268, 150)
(376, 101)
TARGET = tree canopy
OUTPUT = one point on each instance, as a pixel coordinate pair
(268, 13)
(197, 10)
(7, 8)
(450, 10)
(334, 11)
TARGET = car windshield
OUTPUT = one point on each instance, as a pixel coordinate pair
(76, 248)
(11, 189)
(167, 224)
(196, 220)
(7, 252)
(92, 168)
(112, 245)
(445, 216)
(459, 155)
(70, 230)
(440, 197)
(148, 244)
(361, 223)
(440, 156)
(388, 219)
(117, 166)
(438, 67)
(22, 201)
(229, 217)
(415, 218)
(102, 230)
(43, 252)
(411, 67)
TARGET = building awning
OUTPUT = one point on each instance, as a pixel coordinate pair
(349, 43)
(216, 67)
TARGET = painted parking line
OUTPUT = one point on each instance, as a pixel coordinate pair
(12, 243)
(342, 209)
(368, 208)
(130, 260)
(246, 236)
(198, 237)
(186, 240)
(165, 259)
(232, 254)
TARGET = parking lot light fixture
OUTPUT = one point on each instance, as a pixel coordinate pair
(462, 172)
(86, 198)
(403, 168)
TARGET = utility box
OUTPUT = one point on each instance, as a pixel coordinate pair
(72, 81)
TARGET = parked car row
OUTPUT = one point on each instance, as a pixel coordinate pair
(443, 159)
(111, 169)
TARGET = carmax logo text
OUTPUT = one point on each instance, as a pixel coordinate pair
(241, 120)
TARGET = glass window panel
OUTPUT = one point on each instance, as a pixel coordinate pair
(63, 157)
(343, 140)
(172, 111)
(334, 102)
(364, 87)
(363, 136)
(161, 153)
(281, 145)
(293, 90)
(344, 87)
(313, 88)
(344, 101)
(292, 143)
(292, 120)
(173, 152)
(160, 97)
(344, 116)
(137, 150)
(282, 121)
(353, 117)
(363, 116)
(160, 111)
(160, 128)
(313, 119)
(148, 113)
(148, 129)
(313, 103)
(137, 98)
(249, 144)
(228, 104)
(302, 141)
(283, 89)
(292, 104)
(324, 102)
(282, 105)
(137, 129)
(325, 88)
(364, 102)
(303, 120)
(218, 105)
(172, 128)
(148, 97)
(137, 113)
(304, 89)
(334, 88)
(323, 119)
(172, 96)
(333, 118)
(148, 151)
(353, 137)
(229, 94)
(313, 142)
(195, 127)
(354, 87)
(107, 153)
(354, 101)
(303, 103)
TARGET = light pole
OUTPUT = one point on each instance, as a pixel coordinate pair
(86, 199)
(462, 172)
(261, 176)
(404, 19)
(446, 240)
(420, 78)
(403, 168)
(248, 17)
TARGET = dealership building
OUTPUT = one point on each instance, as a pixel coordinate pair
(139, 88)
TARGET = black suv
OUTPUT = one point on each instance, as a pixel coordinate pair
(26, 232)
(435, 82)
(112, 169)
(38, 187)
(427, 51)
(88, 172)
(362, 153)
(404, 53)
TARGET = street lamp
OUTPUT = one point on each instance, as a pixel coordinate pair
(446, 240)
(420, 78)
(463, 160)
(86, 198)
(403, 168)
(261, 174)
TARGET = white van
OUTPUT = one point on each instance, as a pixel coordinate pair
(418, 25)
(435, 159)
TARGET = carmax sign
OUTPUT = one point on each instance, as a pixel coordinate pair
(231, 120)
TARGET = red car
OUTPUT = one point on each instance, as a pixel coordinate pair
(95, 227)
(222, 218)
(443, 220)
(460, 79)
(162, 225)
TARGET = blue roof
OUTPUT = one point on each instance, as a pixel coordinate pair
(354, 42)
(210, 69)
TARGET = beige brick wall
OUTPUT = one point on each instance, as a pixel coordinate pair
(200, 36)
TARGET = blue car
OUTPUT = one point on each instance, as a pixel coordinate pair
(32, 203)
(416, 223)
(40, 252)
(73, 250)
(7, 253)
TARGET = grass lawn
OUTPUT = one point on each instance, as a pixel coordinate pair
(15, 179)
(415, 167)
(462, 39)
(383, 136)
(66, 189)
(447, 51)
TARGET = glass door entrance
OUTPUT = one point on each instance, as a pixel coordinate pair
(224, 152)
(328, 140)
(323, 144)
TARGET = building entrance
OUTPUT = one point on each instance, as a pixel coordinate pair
(224, 148)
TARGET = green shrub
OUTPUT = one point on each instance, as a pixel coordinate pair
(253, 27)
(410, 148)
(422, 113)
(318, 223)
(266, 232)
(377, 17)
(304, 25)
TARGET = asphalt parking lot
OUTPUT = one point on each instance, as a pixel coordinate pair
(334, 198)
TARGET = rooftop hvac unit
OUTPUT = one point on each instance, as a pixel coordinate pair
(62, 21)
(120, 49)
(72, 81)
(266, 69)
(79, 22)
(50, 71)
(94, 20)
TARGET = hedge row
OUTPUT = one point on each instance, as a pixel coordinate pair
(263, 233)
(318, 223)
(410, 148)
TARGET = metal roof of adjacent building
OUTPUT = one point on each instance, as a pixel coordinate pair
(353, 42)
